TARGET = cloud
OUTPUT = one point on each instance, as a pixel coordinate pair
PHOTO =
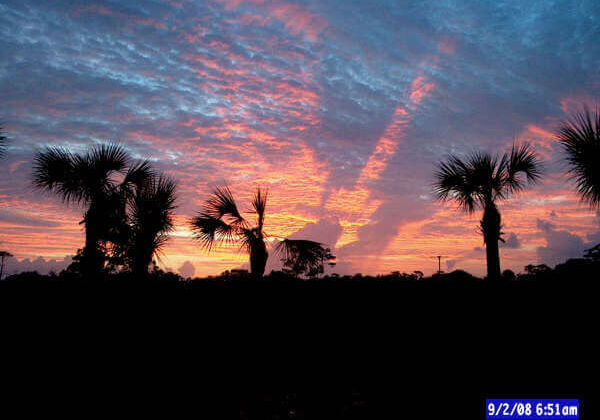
(11, 217)
(41, 265)
(187, 269)
(512, 242)
(560, 245)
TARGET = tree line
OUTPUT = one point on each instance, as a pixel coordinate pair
(129, 205)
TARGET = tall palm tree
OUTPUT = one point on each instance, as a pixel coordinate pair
(480, 181)
(220, 222)
(580, 138)
(100, 180)
(151, 208)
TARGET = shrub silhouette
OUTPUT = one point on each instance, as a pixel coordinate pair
(302, 257)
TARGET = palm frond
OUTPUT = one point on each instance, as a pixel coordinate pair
(108, 157)
(153, 205)
(522, 160)
(222, 204)
(248, 238)
(302, 248)
(452, 182)
(138, 174)
(580, 138)
(259, 204)
(57, 170)
(211, 231)
(483, 177)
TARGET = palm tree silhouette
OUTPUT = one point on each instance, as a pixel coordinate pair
(151, 206)
(479, 182)
(100, 180)
(221, 222)
(580, 138)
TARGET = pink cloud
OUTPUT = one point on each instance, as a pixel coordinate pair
(297, 19)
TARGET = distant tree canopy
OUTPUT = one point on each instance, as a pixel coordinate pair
(304, 258)
(593, 253)
(537, 269)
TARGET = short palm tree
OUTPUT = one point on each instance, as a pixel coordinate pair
(480, 181)
(580, 138)
(151, 208)
(220, 222)
(99, 180)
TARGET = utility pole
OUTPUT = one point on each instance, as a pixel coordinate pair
(3, 254)
(439, 258)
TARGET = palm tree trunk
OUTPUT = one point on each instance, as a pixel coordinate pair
(92, 261)
(490, 225)
(258, 259)
(142, 260)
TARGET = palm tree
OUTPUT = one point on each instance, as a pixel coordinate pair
(220, 222)
(151, 207)
(580, 138)
(92, 180)
(480, 181)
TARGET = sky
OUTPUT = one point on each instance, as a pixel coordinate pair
(341, 108)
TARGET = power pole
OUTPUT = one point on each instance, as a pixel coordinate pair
(439, 258)
(3, 254)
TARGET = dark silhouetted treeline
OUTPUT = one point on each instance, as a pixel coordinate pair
(573, 270)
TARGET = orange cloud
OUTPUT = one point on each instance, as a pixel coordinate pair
(420, 89)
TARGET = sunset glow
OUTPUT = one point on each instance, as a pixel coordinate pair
(341, 109)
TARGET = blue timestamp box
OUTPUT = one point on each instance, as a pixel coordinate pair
(531, 409)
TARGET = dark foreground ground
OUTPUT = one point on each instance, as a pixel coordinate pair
(294, 349)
